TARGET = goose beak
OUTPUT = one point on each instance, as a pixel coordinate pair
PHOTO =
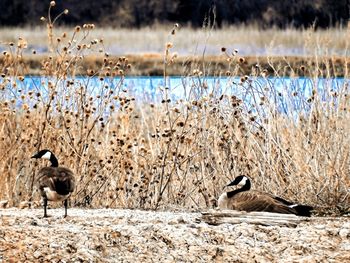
(34, 156)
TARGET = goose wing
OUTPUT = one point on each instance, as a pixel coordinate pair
(58, 179)
(301, 210)
(256, 201)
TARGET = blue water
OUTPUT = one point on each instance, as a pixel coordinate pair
(289, 94)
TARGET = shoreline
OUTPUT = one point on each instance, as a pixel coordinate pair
(153, 65)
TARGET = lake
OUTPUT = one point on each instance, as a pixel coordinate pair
(289, 94)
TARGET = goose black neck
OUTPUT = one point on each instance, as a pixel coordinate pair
(245, 187)
(53, 160)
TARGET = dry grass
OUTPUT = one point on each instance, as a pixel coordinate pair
(247, 39)
(128, 153)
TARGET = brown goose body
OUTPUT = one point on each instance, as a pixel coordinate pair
(250, 201)
(55, 183)
(244, 199)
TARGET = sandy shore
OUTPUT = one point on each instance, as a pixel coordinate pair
(112, 235)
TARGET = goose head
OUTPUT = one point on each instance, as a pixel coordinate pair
(242, 181)
(48, 155)
(224, 198)
(43, 154)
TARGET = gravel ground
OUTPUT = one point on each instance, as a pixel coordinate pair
(112, 235)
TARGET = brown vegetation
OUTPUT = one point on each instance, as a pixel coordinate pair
(135, 154)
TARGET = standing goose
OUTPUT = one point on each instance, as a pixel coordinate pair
(55, 183)
(244, 200)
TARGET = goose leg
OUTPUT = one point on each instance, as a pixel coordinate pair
(65, 207)
(45, 207)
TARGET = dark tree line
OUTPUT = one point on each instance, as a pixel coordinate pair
(138, 13)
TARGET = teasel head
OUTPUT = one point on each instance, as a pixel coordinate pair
(241, 60)
(169, 45)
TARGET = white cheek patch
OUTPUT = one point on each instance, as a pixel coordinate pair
(243, 181)
(46, 156)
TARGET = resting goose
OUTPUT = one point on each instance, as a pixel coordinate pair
(55, 183)
(244, 200)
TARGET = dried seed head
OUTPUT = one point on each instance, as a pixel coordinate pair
(180, 124)
(22, 43)
(52, 3)
(90, 72)
(169, 45)
(25, 107)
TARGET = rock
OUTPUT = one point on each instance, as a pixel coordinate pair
(346, 225)
(172, 222)
(24, 204)
(34, 222)
(344, 233)
(4, 203)
(37, 254)
(320, 227)
(181, 220)
(36, 204)
(54, 245)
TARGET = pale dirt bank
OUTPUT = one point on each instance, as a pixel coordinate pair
(112, 235)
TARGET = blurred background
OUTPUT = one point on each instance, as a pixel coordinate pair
(139, 13)
(256, 28)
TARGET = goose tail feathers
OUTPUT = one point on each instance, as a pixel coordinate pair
(302, 210)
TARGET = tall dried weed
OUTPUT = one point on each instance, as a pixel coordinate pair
(175, 153)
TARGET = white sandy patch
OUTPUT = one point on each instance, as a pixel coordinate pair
(112, 235)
